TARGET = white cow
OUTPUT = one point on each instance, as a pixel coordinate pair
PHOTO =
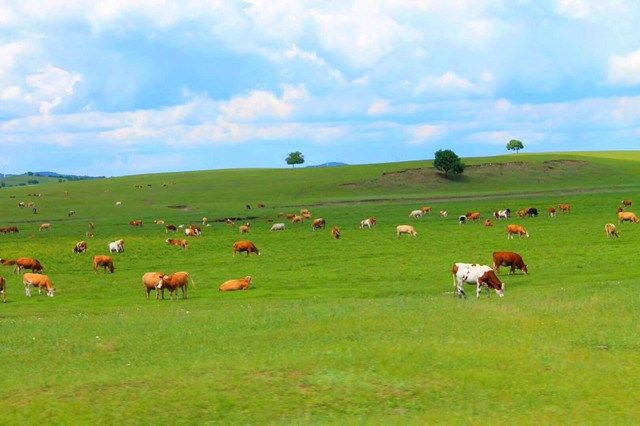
(502, 214)
(277, 227)
(416, 214)
(116, 246)
(480, 275)
(368, 222)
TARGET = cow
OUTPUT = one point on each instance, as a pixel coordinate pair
(406, 229)
(335, 232)
(245, 229)
(170, 228)
(532, 212)
(552, 212)
(248, 207)
(28, 263)
(462, 219)
(22, 204)
(306, 215)
(118, 203)
(416, 214)
(178, 243)
(426, 209)
(626, 203)
(192, 231)
(277, 227)
(444, 213)
(261, 205)
(116, 246)
(136, 222)
(611, 230)
(508, 258)
(516, 229)
(104, 261)
(297, 219)
(80, 247)
(246, 246)
(152, 281)
(3, 289)
(488, 223)
(304, 211)
(44, 227)
(37, 280)
(290, 215)
(229, 221)
(502, 214)
(627, 217)
(565, 208)
(473, 216)
(71, 213)
(318, 223)
(159, 222)
(233, 285)
(205, 221)
(480, 275)
(175, 281)
(91, 225)
(368, 222)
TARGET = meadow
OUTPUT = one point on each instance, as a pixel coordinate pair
(361, 329)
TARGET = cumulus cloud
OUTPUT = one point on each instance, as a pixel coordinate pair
(260, 104)
(424, 133)
(625, 69)
(451, 84)
(49, 87)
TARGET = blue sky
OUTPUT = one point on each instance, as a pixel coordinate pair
(143, 86)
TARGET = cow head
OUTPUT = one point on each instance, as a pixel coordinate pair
(491, 280)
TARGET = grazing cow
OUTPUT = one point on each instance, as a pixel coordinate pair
(3, 289)
(159, 222)
(244, 229)
(368, 222)
(480, 275)
(45, 226)
(488, 223)
(626, 203)
(462, 219)
(170, 228)
(297, 219)
(104, 261)
(335, 232)
(233, 285)
(516, 229)
(136, 222)
(508, 258)
(152, 281)
(611, 230)
(406, 229)
(28, 263)
(192, 231)
(426, 209)
(318, 223)
(416, 214)
(552, 212)
(473, 216)
(444, 213)
(175, 281)
(502, 214)
(37, 280)
(565, 208)
(261, 206)
(178, 243)
(277, 227)
(532, 212)
(627, 217)
(116, 246)
(80, 247)
(246, 246)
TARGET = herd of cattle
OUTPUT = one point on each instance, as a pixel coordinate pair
(482, 276)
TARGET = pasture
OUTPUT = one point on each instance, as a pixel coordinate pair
(361, 329)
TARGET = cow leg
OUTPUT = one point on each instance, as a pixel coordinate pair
(513, 270)
(27, 289)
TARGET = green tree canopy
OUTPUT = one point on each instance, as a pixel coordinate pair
(295, 158)
(448, 162)
(515, 145)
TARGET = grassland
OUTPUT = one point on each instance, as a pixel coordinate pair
(364, 329)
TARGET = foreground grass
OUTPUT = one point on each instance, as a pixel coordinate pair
(360, 329)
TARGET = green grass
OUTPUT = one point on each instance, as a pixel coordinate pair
(364, 329)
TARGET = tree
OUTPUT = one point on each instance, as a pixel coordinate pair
(515, 145)
(295, 158)
(447, 161)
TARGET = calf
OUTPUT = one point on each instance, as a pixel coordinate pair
(233, 285)
(184, 244)
(426, 209)
(152, 281)
(552, 212)
(444, 213)
(37, 280)
(611, 230)
(105, 261)
(480, 275)
(516, 229)
(28, 263)
(406, 229)
(297, 219)
(175, 281)
(245, 246)
(565, 208)
(626, 202)
(508, 258)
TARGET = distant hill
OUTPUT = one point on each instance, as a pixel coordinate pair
(35, 178)
(329, 164)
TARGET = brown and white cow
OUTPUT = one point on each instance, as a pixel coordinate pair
(368, 222)
(104, 261)
(552, 212)
(245, 246)
(136, 222)
(406, 229)
(152, 281)
(626, 203)
(192, 231)
(245, 229)
(297, 219)
(318, 223)
(627, 217)
(233, 285)
(480, 275)
(488, 223)
(611, 230)
(40, 281)
(175, 281)
(28, 263)
(80, 247)
(508, 258)
(3, 289)
(177, 242)
(516, 229)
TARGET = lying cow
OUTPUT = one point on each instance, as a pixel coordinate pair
(178, 243)
(233, 285)
(480, 275)
(37, 280)
(192, 231)
(245, 246)
(152, 281)
(406, 229)
(104, 261)
(136, 222)
(170, 228)
(508, 258)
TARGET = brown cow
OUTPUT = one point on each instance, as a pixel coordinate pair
(233, 285)
(508, 258)
(627, 217)
(626, 202)
(104, 261)
(3, 289)
(192, 231)
(152, 281)
(136, 222)
(7, 262)
(335, 232)
(80, 247)
(37, 280)
(565, 208)
(246, 246)
(261, 206)
(318, 223)
(552, 212)
(473, 216)
(28, 263)
(175, 281)
(488, 223)
(304, 211)
(245, 229)
(178, 243)
(406, 229)
(171, 228)
(297, 219)
(426, 209)
(611, 230)
(516, 229)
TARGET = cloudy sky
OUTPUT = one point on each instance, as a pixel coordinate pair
(136, 86)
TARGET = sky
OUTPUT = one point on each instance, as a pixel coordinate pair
(125, 87)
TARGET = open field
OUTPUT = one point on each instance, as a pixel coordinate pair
(363, 329)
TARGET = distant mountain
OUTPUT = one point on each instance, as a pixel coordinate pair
(51, 175)
(330, 164)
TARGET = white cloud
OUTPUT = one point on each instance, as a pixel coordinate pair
(50, 87)
(448, 83)
(265, 105)
(379, 107)
(575, 9)
(625, 70)
(424, 133)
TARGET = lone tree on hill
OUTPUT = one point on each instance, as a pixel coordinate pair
(447, 161)
(515, 145)
(295, 158)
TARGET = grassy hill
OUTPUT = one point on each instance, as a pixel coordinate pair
(362, 329)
